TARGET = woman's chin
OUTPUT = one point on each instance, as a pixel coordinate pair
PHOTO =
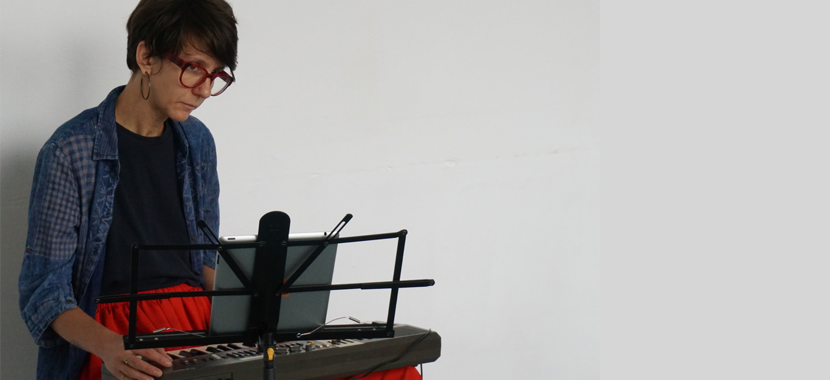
(180, 116)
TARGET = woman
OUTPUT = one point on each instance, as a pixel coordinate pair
(137, 168)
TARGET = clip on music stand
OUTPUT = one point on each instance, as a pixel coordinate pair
(266, 290)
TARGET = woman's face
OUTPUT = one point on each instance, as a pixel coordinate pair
(168, 97)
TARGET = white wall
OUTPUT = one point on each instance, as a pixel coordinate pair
(469, 123)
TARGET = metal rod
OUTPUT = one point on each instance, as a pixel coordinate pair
(246, 282)
(340, 225)
(133, 292)
(351, 239)
(393, 297)
(364, 286)
(297, 273)
(321, 246)
(161, 296)
(167, 247)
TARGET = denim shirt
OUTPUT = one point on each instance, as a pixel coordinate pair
(70, 211)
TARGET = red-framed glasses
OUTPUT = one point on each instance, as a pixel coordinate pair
(194, 75)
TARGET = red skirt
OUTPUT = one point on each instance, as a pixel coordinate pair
(403, 373)
(186, 314)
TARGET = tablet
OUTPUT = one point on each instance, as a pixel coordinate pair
(299, 312)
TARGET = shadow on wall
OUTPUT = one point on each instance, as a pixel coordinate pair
(19, 351)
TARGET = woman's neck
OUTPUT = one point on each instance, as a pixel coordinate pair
(135, 113)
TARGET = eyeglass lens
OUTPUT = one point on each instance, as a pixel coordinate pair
(193, 76)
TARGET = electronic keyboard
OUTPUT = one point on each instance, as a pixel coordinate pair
(303, 360)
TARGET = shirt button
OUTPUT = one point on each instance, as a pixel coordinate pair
(193, 238)
(68, 300)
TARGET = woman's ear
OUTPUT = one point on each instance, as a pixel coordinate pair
(143, 59)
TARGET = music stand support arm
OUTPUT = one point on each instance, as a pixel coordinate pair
(320, 247)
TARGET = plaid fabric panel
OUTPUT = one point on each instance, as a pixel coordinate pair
(55, 212)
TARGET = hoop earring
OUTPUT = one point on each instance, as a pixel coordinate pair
(141, 87)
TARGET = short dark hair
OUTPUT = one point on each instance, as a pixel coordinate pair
(166, 25)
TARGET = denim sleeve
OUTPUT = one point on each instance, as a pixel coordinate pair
(45, 282)
(211, 211)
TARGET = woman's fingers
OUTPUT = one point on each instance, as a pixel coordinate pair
(155, 355)
(135, 368)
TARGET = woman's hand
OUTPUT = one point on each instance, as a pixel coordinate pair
(84, 332)
(127, 364)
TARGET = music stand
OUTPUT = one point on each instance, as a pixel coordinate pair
(266, 289)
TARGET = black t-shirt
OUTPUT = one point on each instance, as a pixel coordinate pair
(147, 210)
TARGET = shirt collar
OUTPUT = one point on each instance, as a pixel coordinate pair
(106, 142)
